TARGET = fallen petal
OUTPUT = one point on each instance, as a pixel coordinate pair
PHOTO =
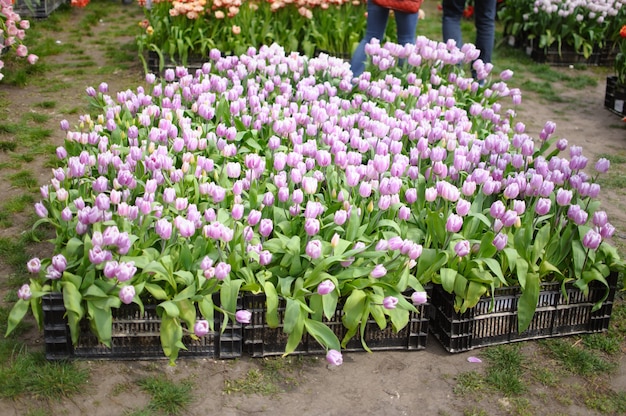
(474, 360)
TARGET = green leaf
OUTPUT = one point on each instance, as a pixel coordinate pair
(207, 309)
(329, 303)
(170, 308)
(187, 312)
(322, 334)
(527, 303)
(448, 277)
(102, 322)
(271, 298)
(293, 311)
(16, 315)
(295, 336)
(156, 291)
(171, 337)
(521, 267)
(353, 309)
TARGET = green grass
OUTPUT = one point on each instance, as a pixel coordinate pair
(504, 370)
(577, 360)
(48, 104)
(614, 158)
(167, 396)
(7, 146)
(25, 373)
(13, 252)
(18, 203)
(36, 117)
(274, 375)
(23, 179)
(470, 382)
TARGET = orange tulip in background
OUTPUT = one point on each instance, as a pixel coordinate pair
(79, 3)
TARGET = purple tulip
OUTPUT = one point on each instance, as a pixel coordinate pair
(603, 165)
(430, 194)
(334, 357)
(24, 292)
(365, 189)
(404, 213)
(325, 287)
(592, 239)
(577, 214)
(243, 316)
(462, 248)
(390, 302)
(382, 245)
(222, 270)
(254, 217)
(419, 298)
(163, 228)
(511, 191)
(600, 218)
(59, 262)
(52, 273)
(309, 185)
(127, 294)
(41, 210)
(378, 271)
(410, 195)
(519, 206)
(454, 223)
(509, 218)
(110, 269)
(340, 217)
(265, 257)
(265, 227)
(126, 271)
(201, 328)
(607, 230)
(312, 226)
(500, 241)
(563, 196)
(463, 207)
(543, 206)
(314, 249)
(34, 265)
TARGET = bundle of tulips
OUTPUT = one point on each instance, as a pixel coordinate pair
(275, 173)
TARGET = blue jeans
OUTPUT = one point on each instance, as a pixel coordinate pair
(484, 20)
(376, 24)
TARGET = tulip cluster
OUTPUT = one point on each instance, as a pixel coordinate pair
(12, 33)
(276, 173)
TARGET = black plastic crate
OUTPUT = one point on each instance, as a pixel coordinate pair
(38, 11)
(133, 336)
(261, 341)
(194, 63)
(564, 56)
(555, 316)
(615, 96)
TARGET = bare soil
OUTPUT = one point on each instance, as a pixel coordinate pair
(383, 383)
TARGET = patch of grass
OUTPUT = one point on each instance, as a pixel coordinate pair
(36, 117)
(614, 158)
(612, 180)
(172, 398)
(13, 252)
(274, 376)
(546, 376)
(577, 360)
(47, 104)
(24, 157)
(470, 382)
(606, 342)
(473, 411)
(23, 179)
(609, 403)
(9, 128)
(504, 371)
(33, 136)
(18, 203)
(581, 81)
(7, 146)
(544, 89)
(31, 374)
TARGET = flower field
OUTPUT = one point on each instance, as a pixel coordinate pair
(276, 173)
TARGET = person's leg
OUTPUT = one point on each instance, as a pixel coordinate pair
(406, 24)
(451, 21)
(376, 24)
(485, 20)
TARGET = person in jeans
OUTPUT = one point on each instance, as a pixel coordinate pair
(484, 21)
(377, 17)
